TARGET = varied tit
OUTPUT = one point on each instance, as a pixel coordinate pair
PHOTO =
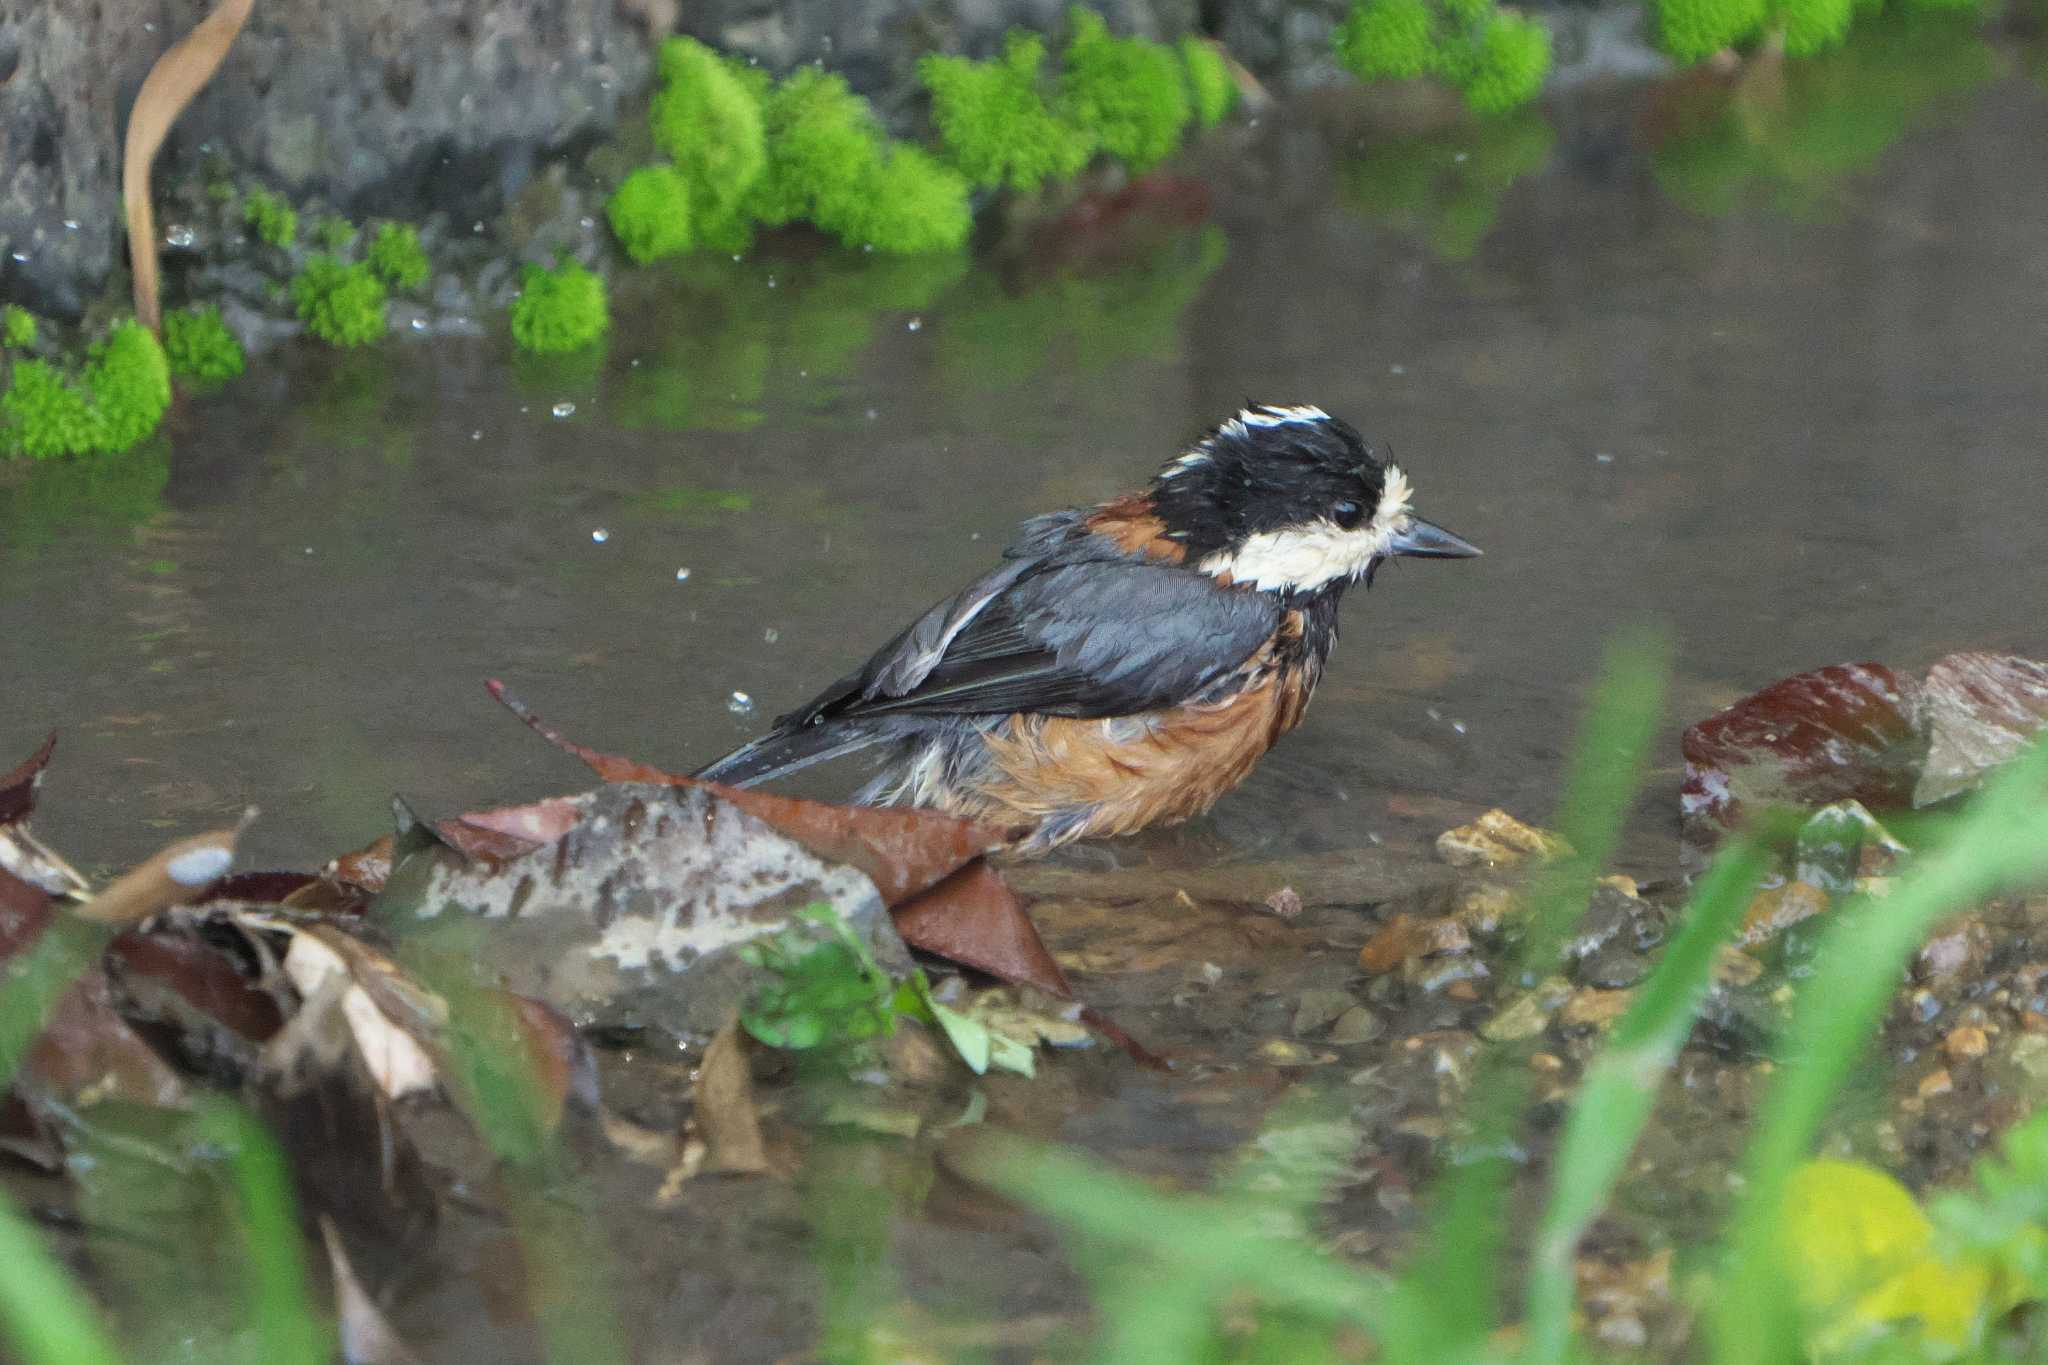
(1127, 664)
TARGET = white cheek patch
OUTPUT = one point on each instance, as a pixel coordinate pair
(1305, 558)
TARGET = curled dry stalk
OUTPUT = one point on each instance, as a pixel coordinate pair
(178, 75)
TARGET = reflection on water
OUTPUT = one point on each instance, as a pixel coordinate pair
(1798, 440)
(1794, 131)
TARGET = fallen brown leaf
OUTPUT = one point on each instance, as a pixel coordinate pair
(367, 1337)
(725, 1113)
(973, 918)
(178, 75)
(176, 874)
(18, 789)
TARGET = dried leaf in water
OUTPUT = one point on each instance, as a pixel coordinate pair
(178, 75)
(202, 975)
(902, 851)
(367, 1337)
(1981, 711)
(176, 874)
(725, 1113)
(87, 1054)
(19, 788)
(1845, 732)
(973, 918)
(332, 971)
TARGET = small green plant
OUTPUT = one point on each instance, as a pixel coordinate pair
(995, 121)
(1692, 30)
(1495, 59)
(650, 213)
(341, 304)
(707, 119)
(397, 256)
(334, 232)
(1209, 80)
(17, 327)
(117, 399)
(559, 310)
(1128, 93)
(272, 219)
(200, 346)
(821, 987)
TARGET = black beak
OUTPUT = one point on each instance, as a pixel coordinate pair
(1426, 540)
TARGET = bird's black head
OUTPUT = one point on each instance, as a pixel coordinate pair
(1292, 500)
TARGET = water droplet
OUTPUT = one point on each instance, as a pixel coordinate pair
(1462, 157)
(771, 281)
(1459, 726)
(1602, 457)
(803, 374)
(586, 222)
(682, 575)
(1397, 369)
(309, 549)
(770, 635)
(872, 414)
(1433, 713)
(179, 235)
(476, 435)
(563, 409)
(419, 324)
(20, 257)
(600, 535)
(477, 227)
(71, 225)
(739, 704)
(914, 325)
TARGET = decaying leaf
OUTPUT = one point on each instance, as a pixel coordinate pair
(902, 851)
(176, 874)
(178, 75)
(332, 970)
(18, 790)
(367, 1337)
(974, 919)
(87, 1053)
(1982, 709)
(725, 1114)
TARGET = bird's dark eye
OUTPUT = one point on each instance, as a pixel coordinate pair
(1347, 514)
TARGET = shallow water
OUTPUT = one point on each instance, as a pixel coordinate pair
(1801, 430)
(1772, 381)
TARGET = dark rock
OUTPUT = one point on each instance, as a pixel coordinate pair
(378, 106)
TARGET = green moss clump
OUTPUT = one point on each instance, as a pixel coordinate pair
(118, 399)
(340, 304)
(1509, 62)
(397, 256)
(907, 203)
(1693, 30)
(1813, 26)
(1209, 80)
(1126, 92)
(823, 143)
(559, 310)
(707, 119)
(1393, 40)
(200, 346)
(17, 327)
(1496, 60)
(650, 213)
(994, 119)
(273, 220)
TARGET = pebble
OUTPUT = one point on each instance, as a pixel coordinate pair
(1963, 1044)
(1497, 839)
(1409, 936)
(1594, 1008)
(1937, 1082)
(1356, 1025)
(1779, 908)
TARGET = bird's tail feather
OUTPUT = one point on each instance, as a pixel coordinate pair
(781, 752)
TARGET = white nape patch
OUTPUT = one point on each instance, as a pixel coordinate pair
(1194, 459)
(1305, 558)
(1268, 415)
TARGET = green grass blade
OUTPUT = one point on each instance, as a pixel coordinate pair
(1459, 1276)
(45, 1318)
(290, 1330)
(1620, 1090)
(1836, 1013)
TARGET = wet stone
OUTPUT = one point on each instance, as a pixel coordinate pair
(1356, 1025)
(1956, 955)
(1613, 967)
(1497, 839)
(1779, 908)
(1316, 1008)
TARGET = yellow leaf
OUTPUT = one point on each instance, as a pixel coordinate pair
(1848, 1228)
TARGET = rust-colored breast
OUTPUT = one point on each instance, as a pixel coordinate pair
(1125, 773)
